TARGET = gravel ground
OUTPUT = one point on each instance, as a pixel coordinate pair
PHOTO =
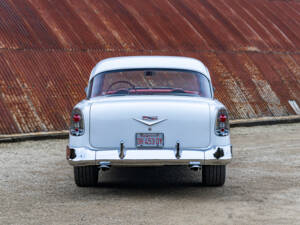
(262, 186)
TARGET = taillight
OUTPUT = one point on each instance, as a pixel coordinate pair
(76, 118)
(77, 123)
(222, 123)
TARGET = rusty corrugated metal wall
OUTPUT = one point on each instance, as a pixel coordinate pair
(48, 47)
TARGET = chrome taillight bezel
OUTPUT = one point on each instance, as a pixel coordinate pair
(222, 128)
(77, 128)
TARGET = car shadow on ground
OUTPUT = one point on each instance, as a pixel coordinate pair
(169, 182)
(149, 177)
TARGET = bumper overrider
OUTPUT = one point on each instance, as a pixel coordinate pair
(83, 156)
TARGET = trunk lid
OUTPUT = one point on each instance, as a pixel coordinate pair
(118, 119)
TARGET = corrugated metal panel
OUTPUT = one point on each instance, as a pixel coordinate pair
(48, 48)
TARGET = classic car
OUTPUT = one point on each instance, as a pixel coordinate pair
(149, 111)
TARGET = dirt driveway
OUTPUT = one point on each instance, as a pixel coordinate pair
(262, 187)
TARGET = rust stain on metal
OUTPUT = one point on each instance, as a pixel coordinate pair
(48, 48)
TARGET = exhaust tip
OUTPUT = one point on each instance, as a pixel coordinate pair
(195, 166)
(104, 166)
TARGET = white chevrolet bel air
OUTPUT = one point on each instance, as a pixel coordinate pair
(149, 111)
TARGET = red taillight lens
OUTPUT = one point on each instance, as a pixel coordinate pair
(76, 118)
(222, 123)
(77, 123)
(223, 118)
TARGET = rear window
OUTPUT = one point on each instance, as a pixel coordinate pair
(150, 82)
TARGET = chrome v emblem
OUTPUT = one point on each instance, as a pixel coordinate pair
(150, 123)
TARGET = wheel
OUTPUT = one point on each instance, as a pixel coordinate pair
(213, 175)
(86, 176)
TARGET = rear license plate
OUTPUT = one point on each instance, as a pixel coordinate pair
(149, 140)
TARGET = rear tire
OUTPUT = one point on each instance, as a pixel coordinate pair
(86, 176)
(213, 175)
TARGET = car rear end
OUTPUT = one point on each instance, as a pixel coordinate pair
(149, 126)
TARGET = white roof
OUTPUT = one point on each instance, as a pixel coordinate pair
(145, 62)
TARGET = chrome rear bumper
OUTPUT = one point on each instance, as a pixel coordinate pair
(149, 157)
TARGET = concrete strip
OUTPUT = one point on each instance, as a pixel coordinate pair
(34, 136)
(233, 123)
(265, 121)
